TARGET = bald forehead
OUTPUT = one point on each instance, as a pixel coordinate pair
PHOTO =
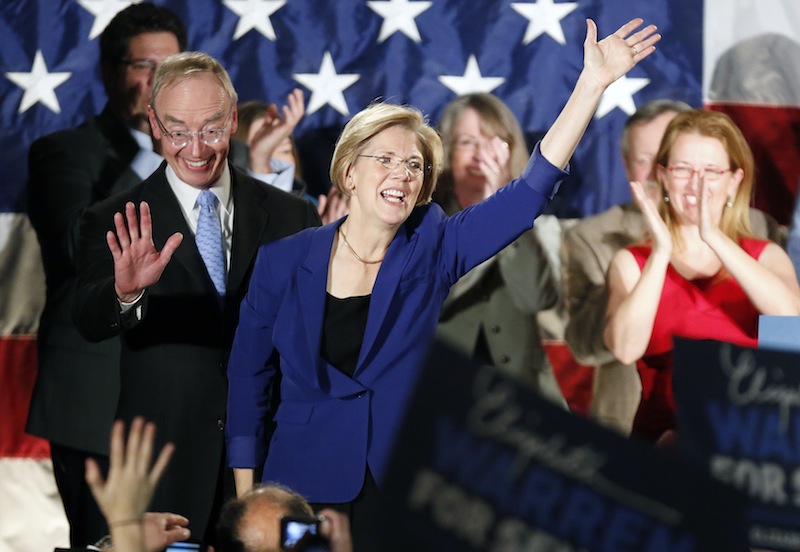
(261, 525)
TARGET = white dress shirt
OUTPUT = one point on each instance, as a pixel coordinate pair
(187, 198)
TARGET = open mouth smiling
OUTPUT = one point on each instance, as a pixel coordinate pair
(393, 196)
(197, 164)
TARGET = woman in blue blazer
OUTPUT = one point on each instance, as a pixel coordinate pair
(345, 313)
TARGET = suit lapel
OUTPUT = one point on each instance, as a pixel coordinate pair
(126, 179)
(250, 218)
(121, 151)
(312, 280)
(395, 261)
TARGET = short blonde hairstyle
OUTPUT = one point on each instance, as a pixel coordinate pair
(735, 221)
(186, 65)
(373, 120)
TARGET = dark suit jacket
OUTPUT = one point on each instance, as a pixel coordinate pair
(173, 360)
(330, 427)
(77, 386)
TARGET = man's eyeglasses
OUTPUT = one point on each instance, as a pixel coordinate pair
(685, 172)
(414, 166)
(182, 138)
(141, 65)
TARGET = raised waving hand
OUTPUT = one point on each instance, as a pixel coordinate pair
(603, 63)
(137, 263)
(125, 494)
(616, 54)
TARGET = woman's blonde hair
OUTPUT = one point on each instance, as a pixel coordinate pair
(373, 120)
(735, 221)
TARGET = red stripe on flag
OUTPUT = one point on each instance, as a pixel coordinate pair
(18, 361)
(773, 134)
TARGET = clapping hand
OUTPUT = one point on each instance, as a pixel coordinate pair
(662, 241)
(137, 264)
(275, 130)
(493, 162)
(708, 221)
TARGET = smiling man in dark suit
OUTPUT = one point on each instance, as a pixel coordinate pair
(76, 390)
(175, 299)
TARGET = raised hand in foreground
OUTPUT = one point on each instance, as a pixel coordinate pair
(124, 496)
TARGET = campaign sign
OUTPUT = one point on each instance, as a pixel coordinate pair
(482, 463)
(739, 414)
(779, 333)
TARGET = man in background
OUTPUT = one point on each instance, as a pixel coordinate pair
(77, 386)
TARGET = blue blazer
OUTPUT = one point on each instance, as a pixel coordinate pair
(330, 427)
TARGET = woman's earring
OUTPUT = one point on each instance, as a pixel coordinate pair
(666, 199)
(729, 203)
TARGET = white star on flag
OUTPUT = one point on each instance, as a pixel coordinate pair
(620, 94)
(326, 86)
(398, 15)
(544, 17)
(103, 12)
(39, 85)
(254, 14)
(472, 81)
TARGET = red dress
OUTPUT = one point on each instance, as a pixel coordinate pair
(706, 308)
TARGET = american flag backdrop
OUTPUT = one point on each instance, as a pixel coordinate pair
(345, 54)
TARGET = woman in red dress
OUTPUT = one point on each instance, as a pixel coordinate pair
(700, 274)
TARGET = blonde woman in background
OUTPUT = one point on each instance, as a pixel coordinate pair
(701, 274)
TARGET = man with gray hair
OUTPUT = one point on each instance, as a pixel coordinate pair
(175, 300)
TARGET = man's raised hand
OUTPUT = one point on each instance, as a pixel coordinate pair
(137, 264)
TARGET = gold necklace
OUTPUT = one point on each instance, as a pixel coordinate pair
(353, 251)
